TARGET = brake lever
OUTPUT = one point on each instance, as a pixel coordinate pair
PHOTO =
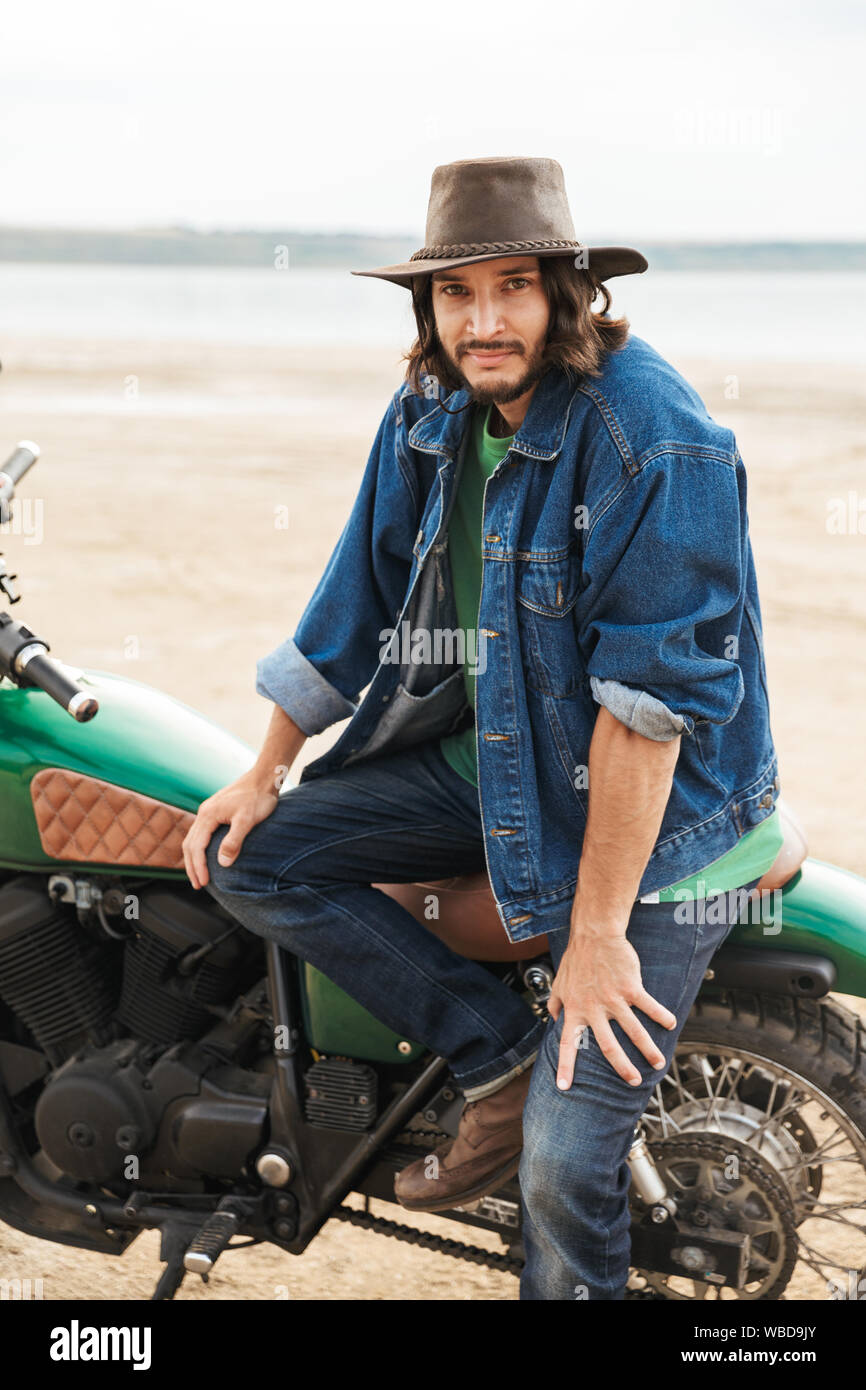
(6, 582)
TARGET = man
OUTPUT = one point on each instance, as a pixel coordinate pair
(549, 485)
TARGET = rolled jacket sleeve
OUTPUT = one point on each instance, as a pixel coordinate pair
(664, 584)
(291, 681)
(317, 675)
(639, 710)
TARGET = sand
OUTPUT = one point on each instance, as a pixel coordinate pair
(191, 496)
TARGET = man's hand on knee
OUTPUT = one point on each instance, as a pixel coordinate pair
(598, 980)
(241, 805)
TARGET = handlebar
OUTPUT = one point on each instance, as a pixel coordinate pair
(24, 656)
(23, 457)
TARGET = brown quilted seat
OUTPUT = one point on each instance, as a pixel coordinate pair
(89, 820)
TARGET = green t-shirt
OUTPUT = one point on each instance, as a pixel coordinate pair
(464, 550)
(753, 853)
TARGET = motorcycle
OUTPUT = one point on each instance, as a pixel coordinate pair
(160, 1067)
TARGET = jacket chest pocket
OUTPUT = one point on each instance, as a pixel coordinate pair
(547, 592)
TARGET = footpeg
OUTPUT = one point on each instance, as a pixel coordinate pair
(213, 1237)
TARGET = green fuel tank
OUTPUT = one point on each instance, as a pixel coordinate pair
(149, 742)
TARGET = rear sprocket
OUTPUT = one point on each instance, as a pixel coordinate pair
(719, 1183)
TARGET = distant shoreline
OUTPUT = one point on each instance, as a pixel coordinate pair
(309, 250)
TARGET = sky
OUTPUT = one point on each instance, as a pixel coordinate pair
(671, 120)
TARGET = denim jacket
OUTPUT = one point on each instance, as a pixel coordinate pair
(617, 570)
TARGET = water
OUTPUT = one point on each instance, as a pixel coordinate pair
(201, 304)
(733, 316)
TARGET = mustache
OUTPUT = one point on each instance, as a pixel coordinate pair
(475, 346)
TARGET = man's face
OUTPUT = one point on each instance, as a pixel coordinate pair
(492, 318)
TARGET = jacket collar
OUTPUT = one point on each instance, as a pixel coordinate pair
(540, 436)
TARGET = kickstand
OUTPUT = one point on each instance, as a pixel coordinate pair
(170, 1280)
(173, 1245)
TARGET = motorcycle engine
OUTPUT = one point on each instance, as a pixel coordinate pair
(123, 1021)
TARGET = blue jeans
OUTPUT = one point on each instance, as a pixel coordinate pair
(302, 878)
(574, 1177)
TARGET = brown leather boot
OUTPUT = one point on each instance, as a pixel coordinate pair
(484, 1154)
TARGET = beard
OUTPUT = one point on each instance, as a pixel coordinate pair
(503, 392)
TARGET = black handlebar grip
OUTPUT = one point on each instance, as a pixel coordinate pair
(42, 671)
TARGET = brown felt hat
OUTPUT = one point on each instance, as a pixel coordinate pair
(483, 208)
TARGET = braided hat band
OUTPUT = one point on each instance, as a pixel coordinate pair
(485, 248)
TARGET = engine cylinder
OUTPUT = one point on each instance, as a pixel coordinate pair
(160, 1003)
(52, 975)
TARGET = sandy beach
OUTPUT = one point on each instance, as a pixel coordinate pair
(190, 497)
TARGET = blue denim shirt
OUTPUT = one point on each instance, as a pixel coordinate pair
(617, 570)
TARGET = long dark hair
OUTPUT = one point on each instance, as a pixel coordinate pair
(577, 337)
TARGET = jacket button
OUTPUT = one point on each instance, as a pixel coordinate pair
(766, 800)
(776, 783)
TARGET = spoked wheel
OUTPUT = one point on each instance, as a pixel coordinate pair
(759, 1127)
